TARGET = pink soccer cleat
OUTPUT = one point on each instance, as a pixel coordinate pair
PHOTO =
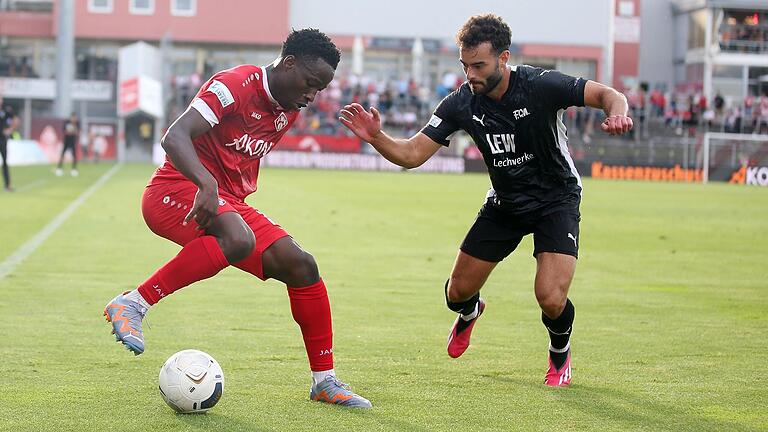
(559, 377)
(458, 340)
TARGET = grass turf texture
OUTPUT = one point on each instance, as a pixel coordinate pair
(670, 294)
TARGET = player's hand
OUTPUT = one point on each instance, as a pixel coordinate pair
(616, 124)
(365, 124)
(205, 208)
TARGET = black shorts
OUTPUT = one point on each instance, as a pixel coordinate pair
(495, 233)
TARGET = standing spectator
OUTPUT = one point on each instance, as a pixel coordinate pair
(99, 143)
(749, 103)
(719, 105)
(657, 101)
(8, 124)
(761, 114)
(71, 132)
(733, 120)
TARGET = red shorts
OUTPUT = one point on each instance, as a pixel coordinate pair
(165, 205)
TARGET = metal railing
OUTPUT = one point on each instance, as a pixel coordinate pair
(730, 141)
(743, 38)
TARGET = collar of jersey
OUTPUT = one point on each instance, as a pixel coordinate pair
(269, 93)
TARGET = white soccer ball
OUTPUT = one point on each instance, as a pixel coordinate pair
(191, 381)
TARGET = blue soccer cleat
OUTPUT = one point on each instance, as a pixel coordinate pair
(125, 316)
(332, 391)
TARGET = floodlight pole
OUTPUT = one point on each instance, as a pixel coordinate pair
(65, 58)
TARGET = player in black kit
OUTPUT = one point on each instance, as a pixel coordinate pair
(8, 121)
(513, 114)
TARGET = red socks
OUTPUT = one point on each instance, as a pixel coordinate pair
(199, 259)
(312, 311)
(202, 258)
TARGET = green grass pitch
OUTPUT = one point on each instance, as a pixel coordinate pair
(671, 294)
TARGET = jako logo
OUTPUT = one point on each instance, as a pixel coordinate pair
(756, 176)
(251, 146)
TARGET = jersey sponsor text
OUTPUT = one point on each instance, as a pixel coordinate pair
(251, 146)
(507, 162)
(501, 143)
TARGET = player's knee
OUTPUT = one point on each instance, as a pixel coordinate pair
(238, 248)
(453, 295)
(303, 270)
(551, 303)
(457, 290)
(297, 270)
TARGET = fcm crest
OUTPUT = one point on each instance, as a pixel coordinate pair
(281, 121)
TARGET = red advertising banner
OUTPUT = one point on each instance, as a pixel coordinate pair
(128, 96)
(49, 134)
(646, 173)
(99, 143)
(102, 143)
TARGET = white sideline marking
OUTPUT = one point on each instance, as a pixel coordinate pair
(9, 264)
(32, 185)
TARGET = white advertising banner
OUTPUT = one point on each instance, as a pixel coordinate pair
(626, 29)
(45, 89)
(356, 161)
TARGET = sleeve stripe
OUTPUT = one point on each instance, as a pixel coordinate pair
(205, 111)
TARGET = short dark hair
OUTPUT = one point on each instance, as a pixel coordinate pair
(485, 28)
(311, 44)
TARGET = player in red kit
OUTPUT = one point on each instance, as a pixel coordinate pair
(196, 199)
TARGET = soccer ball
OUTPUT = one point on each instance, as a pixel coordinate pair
(191, 381)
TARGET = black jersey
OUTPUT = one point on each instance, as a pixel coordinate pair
(522, 137)
(6, 121)
(71, 131)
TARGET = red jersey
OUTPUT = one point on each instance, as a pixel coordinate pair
(247, 123)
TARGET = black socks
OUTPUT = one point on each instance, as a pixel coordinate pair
(559, 330)
(466, 307)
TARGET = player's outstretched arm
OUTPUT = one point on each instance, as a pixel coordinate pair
(613, 103)
(177, 143)
(408, 153)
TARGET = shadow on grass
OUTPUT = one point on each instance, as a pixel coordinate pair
(625, 410)
(218, 422)
(387, 422)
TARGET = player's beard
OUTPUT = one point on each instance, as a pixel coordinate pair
(491, 82)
